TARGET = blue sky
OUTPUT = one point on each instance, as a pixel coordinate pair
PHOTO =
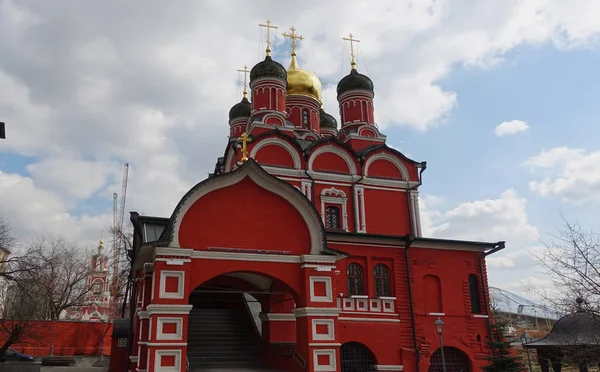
(153, 88)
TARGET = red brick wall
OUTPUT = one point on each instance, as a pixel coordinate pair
(70, 338)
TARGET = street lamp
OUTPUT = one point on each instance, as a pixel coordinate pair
(525, 339)
(439, 327)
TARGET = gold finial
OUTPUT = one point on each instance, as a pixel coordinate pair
(293, 37)
(101, 237)
(269, 27)
(244, 139)
(245, 71)
(352, 41)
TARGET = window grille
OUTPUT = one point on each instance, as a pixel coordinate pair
(474, 294)
(332, 216)
(456, 361)
(381, 274)
(355, 279)
(305, 118)
(356, 357)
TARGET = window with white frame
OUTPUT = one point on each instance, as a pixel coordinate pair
(334, 209)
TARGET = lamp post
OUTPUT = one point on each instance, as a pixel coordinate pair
(439, 327)
(525, 339)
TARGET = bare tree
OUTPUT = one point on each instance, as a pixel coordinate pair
(572, 261)
(6, 239)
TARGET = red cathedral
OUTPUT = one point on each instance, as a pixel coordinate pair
(303, 251)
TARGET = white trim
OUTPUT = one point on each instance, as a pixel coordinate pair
(392, 159)
(331, 367)
(359, 296)
(318, 267)
(161, 321)
(277, 317)
(281, 171)
(483, 316)
(133, 359)
(168, 309)
(437, 314)
(387, 298)
(306, 188)
(352, 319)
(316, 311)
(417, 214)
(325, 176)
(334, 150)
(328, 297)
(334, 196)
(173, 252)
(161, 353)
(329, 336)
(229, 159)
(281, 143)
(165, 343)
(368, 313)
(153, 284)
(264, 180)
(180, 275)
(321, 344)
(236, 256)
(390, 367)
(173, 261)
(363, 218)
(311, 258)
(143, 315)
(362, 304)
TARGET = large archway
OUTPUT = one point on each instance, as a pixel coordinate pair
(225, 325)
(456, 361)
(356, 357)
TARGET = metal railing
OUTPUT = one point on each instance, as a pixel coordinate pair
(299, 358)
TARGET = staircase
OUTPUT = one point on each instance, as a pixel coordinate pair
(221, 335)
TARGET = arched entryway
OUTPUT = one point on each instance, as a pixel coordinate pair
(456, 361)
(356, 357)
(225, 327)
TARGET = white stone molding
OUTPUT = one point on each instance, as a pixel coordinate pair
(277, 317)
(328, 297)
(316, 311)
(318, 259)
(338, 197)
(331, 366)
(359, 208)
(417, 213)
(263, 179)
(337, 151)
(375, 305)
(180, 275)
(381, 320)
(329, 323)
(390, 367)
(281, 143)
(168, 309)
(174, 353)
(388, 157)
(307, 189)
(362, 304)
(229, 160)
(236, 256)
(161, 321)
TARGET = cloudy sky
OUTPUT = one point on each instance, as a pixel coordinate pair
(499, 96)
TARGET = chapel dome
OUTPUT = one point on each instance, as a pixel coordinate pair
(241, 109)
(327, 121)
(303, 83)
(268, 68)
(354, 80)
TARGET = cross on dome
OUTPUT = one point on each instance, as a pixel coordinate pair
(245, 71)
(352, 41)
(293, 37)
(268, 27)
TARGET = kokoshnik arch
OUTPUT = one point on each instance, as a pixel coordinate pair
(303, 250)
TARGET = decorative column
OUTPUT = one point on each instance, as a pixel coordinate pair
(316, 319)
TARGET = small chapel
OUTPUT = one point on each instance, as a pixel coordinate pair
(303, 250)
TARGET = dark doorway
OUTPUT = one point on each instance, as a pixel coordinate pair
(357, 357)
(456, 361)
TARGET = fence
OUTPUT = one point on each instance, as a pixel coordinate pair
(70, 338)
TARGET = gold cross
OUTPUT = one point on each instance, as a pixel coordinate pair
(352, 41)
(269, 27)
(244, 139)
(245, 71)
(293, 37)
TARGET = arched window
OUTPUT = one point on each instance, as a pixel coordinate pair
(474, 294)
(332, 217)
(305, 118)
(432, 290)
(456, 361)
(356, 357)
(381, 275)
(96, 288)
(355, 280)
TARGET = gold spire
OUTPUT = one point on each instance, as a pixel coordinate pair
(245, 71)
(101, 238)
(352, 41)
(293, 37)
(244, 139)
(269, 27)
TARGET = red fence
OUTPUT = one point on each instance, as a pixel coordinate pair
(70, 338)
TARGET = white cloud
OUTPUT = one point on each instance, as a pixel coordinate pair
(508, 128)
(570, 174)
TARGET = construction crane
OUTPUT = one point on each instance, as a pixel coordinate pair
(118, 235)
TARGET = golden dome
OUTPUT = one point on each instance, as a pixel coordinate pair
(303, 83)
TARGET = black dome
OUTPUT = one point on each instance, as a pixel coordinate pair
(353, 81)
(241, 109)
(268, 68)
(327, 121)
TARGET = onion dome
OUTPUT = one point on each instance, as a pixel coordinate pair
(241, 109)
(268, 68)
(327, 121)
(354, 81)
(303, 83)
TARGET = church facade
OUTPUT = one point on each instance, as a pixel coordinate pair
(303, 251)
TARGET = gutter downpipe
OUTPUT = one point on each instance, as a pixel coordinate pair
(499, 246)
(361, 160)
(409, 239)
